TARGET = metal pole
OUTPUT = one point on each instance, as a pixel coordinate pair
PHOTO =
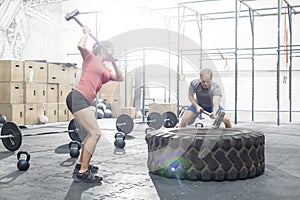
(97, 96)
(144, 82)
(291, 59)
(169, 60)
(251, 13)
(200, 37)
(278, 61)
(178, 59)
(236, 63)
(125, 80)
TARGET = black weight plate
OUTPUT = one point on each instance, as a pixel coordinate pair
(124, 123)
(155, 120)
(73, 131)
(12, 144)
(76, 132)
(170, 119)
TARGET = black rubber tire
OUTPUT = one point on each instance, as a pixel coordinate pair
(206, 154)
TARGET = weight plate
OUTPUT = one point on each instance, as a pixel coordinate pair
(14, 143)
(170, 119)
(155, 120)
(76, 132)
(124, 123)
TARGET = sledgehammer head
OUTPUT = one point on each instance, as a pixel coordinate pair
(219, 119)
(71, 15)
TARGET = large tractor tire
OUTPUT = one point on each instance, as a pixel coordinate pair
(206, 154)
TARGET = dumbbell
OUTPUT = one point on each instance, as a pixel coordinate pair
(120, 140)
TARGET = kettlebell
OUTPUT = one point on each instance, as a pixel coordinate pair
(120, 140)
(149, 129)
(23, 164)
(74, 147)
(2, 119)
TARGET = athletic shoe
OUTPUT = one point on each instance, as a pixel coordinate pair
(88, 177)
(93, 168)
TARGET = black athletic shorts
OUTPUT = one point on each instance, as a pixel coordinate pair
(76, 101)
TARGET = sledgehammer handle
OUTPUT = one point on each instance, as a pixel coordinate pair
(73, 15)
(218, 119)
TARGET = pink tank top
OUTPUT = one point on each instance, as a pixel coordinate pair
(94, 74)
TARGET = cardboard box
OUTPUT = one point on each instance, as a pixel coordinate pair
(128, 110)
(42, 90)
(52, 93)
(11, 71)
(115, 107)
(163, 107)
(11, 92)
(70, 116)
(53, 73)
(31, 116)
(63, 91)
(52, 112)
(73, 75)
(41, 72)
(30, 92)
(13, 112)
(42, 109)
(35, 72)
(57, 74)
(62, 112)
(110, 89)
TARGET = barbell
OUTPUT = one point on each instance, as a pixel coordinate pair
(155, 120)
(76, 132)
(11, 136)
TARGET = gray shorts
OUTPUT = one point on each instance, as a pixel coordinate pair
(76, 101)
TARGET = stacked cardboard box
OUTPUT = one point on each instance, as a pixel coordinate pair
(114, 93)
(31, 89)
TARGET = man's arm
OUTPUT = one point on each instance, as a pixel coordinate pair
(216, 104)
(194, 102)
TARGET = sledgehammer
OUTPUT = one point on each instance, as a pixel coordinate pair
(72, 15)
(218, 120)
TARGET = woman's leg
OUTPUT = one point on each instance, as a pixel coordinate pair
(87, 120)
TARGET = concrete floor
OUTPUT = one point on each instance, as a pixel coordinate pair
(125, 173)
